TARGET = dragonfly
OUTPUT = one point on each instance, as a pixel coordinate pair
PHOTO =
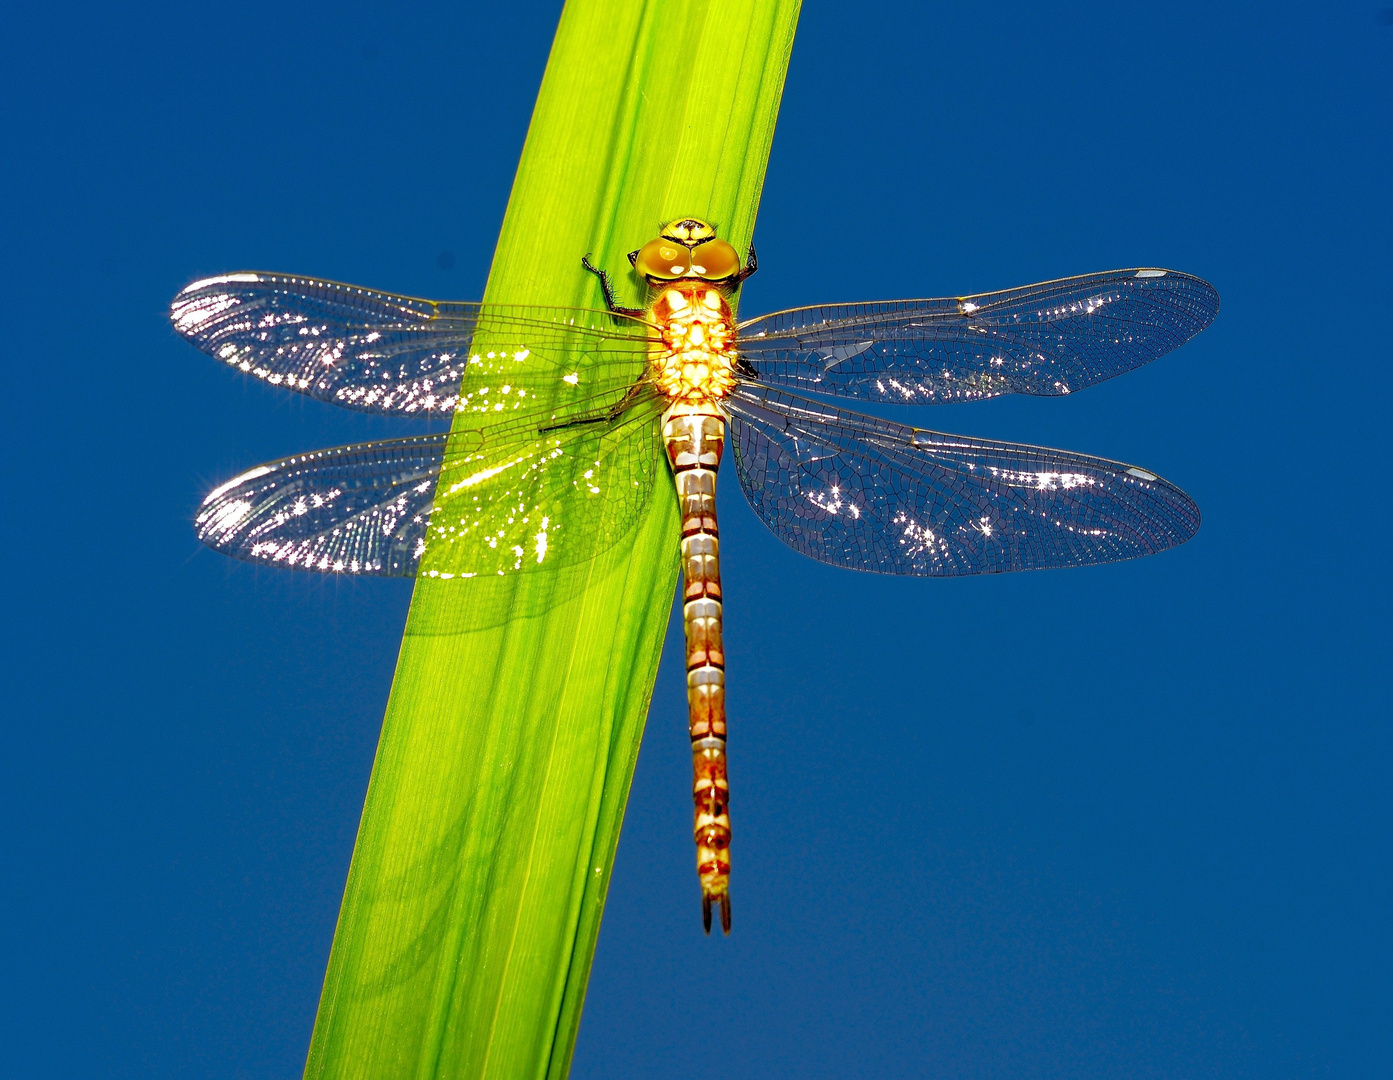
(563, 419)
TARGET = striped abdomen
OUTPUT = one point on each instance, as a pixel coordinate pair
(694, 434)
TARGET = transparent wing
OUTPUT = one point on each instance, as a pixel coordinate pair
(1053, 338)
(378, 352)
(357, 509)
(493, 500)
(524, 497)
(868, 494)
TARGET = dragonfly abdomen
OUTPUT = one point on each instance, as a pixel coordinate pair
(694, 434)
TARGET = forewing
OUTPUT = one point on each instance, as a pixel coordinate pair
(397, 355)
(869, 494)
(490, 501)
(1049, 339)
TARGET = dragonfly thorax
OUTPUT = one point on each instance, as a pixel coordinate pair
(695, 361)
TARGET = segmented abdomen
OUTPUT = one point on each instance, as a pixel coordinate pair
(695, 435)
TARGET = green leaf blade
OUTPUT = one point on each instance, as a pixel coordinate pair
(473, 902)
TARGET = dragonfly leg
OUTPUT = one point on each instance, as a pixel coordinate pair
(751, 265)
(608, 416)
(608, 289)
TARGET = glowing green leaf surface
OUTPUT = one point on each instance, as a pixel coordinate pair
(474, 898)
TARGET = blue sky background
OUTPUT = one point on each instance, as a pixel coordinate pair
(1128, 821)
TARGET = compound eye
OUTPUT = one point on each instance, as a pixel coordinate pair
(715, 260)
(662, 260)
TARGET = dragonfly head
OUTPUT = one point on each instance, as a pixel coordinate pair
(686, 248)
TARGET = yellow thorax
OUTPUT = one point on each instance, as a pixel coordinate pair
(696, 360)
